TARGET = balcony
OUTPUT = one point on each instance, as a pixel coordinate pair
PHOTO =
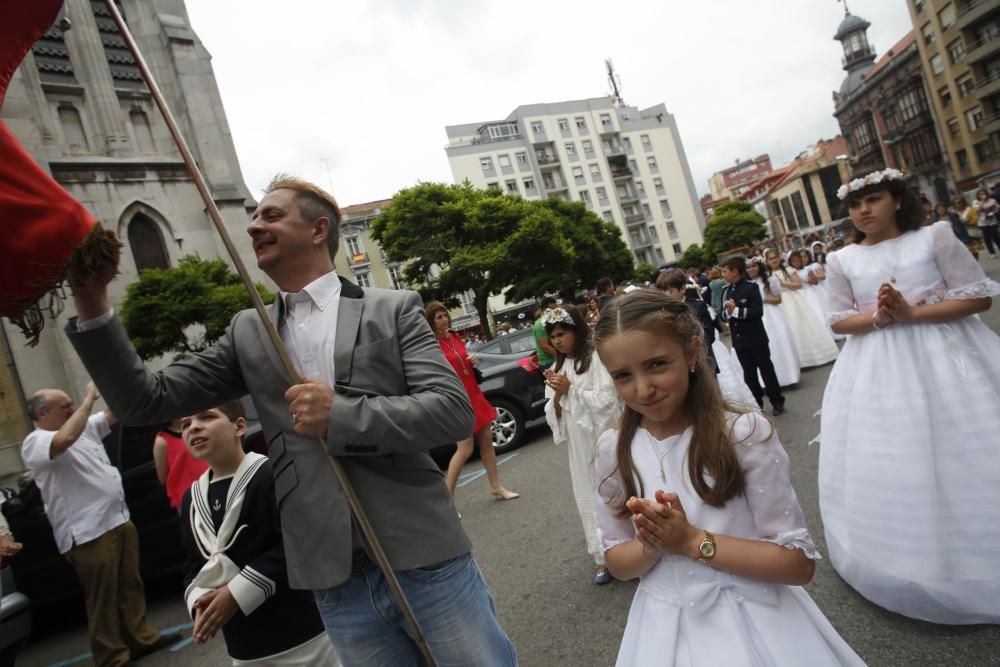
(974, 11)
(640, 243)
(556, 186)
(988, 86)
(539, 138)
(991, 123)
(982, 49)
(628, 197)
(358, 259)
(635, 219)
(607, 129)
(621, 173)
(548, 161)
(614, 150)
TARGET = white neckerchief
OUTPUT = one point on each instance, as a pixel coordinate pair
(219, 569)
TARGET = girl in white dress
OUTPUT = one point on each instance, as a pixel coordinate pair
(784, 355)
(813, 340)
(909, 469)
(582, 405)
(696, 501)
(813, 278)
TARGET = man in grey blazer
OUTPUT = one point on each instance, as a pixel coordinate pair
(380, 392)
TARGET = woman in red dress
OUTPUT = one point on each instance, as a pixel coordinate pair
(456, 354)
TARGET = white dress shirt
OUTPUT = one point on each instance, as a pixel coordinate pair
(309, 328)
(82, 491)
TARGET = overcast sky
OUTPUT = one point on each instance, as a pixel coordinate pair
(355, 95)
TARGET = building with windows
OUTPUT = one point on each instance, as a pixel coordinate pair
(959, 45)
(80, 107)
(884, 112)
(626, 164)
(730, 183)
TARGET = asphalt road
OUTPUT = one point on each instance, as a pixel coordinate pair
(534, 557)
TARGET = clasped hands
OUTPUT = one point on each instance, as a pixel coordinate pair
(892, 307)
(558, 381)
(211, 611)
(309, 406)
(661, 525)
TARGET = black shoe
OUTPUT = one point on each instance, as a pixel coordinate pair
(163, 642)
(779, 409)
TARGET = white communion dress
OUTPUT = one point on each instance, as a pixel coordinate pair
(687, 613)
(816, 295)
(590, 407)
(730, 377)
(813, 339)
(909, 468)
(784, 354)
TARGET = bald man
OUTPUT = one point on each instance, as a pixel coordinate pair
(85, 503)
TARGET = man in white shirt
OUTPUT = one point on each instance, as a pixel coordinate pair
(85, 504)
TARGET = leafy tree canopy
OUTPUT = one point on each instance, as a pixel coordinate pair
(734, 224)
(163, 303)
(456, 238)
(696, 256)
(644, 272)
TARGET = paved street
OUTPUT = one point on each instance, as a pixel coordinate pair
(532, 552)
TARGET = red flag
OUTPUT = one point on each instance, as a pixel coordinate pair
(45, 230)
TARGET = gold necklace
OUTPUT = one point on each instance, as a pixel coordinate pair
(878, 265)
(652, 446)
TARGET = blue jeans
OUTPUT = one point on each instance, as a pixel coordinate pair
(450, 600)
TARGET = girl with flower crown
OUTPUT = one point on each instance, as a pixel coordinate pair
(582, 405)
(909, 469)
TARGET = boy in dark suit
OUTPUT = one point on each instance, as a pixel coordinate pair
(744, 310)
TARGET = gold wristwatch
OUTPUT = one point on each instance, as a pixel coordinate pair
(706, 549)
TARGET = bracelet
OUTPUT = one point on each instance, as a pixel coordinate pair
(875, 321)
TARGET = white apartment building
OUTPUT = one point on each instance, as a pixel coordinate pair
(626, 164)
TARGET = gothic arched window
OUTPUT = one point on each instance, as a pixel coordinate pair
(146, 242)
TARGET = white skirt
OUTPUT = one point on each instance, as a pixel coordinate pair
(909, 469)
(317, 652)
(784, 354)
(813, 339)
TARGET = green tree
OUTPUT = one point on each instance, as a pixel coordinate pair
(644, 272)
(734, 224)
(162, 304)
(456, 238)
(696, 256)
(592, 249)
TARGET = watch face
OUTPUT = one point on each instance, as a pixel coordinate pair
(707, 549)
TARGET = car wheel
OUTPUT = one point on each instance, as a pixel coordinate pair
(508, 427)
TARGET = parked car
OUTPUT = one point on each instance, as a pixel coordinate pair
(513, 383)
(44, 576)
(15, 616)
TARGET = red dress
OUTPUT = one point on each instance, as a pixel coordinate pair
(182, 468)
(456, 354)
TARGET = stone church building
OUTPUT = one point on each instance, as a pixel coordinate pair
(79, 105)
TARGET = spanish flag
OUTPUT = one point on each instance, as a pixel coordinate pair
(47, 235)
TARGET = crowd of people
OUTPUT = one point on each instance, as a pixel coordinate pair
(679, 477)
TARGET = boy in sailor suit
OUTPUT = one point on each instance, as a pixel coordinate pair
(235, 573)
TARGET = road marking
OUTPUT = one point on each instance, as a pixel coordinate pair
(165, 631)
(470, 477)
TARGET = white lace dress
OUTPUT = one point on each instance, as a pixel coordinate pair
(816, 295)
(813, 339)
(687, 613)
(909, 469)
(784, 354)
(589, 409)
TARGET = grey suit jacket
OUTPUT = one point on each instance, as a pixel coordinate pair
(396, 397)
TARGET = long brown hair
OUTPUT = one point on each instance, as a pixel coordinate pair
(582, 347)
(712, 453)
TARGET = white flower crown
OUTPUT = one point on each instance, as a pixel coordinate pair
(557, 316)
(873, 178)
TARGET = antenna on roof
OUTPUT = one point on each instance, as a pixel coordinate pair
(615, 82)
(846, 10)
